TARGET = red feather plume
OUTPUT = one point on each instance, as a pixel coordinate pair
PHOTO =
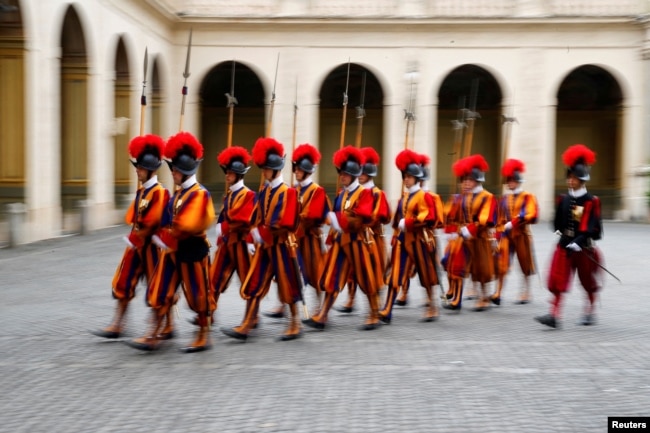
(233, 153)
(263, 146)
(346, 154)
(424, 160)
(510, 166)
(477, 161)
(183, 142)
(460, 167)
(578, 153)
(371, 155)
(406, 157)
(151, 142)
(308, 151)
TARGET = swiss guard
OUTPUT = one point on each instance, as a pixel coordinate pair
(578, 223)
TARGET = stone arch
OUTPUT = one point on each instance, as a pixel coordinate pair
(454, 97)
(12, 104)
(590, 111)
(122, 112)
(248, 119)
(74, 110)
(331, 117)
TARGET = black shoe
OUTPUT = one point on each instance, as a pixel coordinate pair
(314, 324)
(547, 320)
(588, 320)
(274, 314)
(194, 349)
(401, 303)
(289, 337)
(146, 347)
(429, 319)
(495, 300)
(451, 307)
(167, 335)
(234, 334)
(522, 302)
(385, 319)
(107, 334)
(344, 309)
(369, 326)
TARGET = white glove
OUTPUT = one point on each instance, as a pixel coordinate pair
(256, 236)
(128, 242)
(156, 240)
(217, 229)
(251, 249)
(323, 244)
(573, 247)
(334, 222)
(452, 236)
(464, 232)
(402, 224)
(508, 226)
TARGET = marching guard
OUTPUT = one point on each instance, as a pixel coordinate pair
(233, 224)
(579, 224)
(518, 209)
(350, 256)
(276, 219)
(314, 207)
(470, 226)
(144, 216)
(380, 217)
(411, 245)
(185, 249)
(430, 234)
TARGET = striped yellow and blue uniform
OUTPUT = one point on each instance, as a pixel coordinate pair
(144, 216)
(189, 214)
(521, 209)
(232, 254)
(315, 205)
(276, 217)
(478, 212)
(410, 246)
(350, 256)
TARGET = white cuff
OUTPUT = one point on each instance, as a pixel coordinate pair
(217, 229)
(128, 242)
(402, 224)
(464, 231)
(256, 236)
(334, 222)
(574, 247)
(156, 240)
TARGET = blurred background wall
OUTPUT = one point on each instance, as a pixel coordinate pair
(71, 77)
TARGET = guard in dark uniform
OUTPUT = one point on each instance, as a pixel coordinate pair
(578, 222)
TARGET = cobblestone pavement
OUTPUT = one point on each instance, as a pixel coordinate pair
(493, 371)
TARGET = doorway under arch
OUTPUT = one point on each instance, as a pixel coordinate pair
(12, 105)
(468, 87)
(74, 111)
(248, 120)
(590, 111)
(122, 103)
(331, 117)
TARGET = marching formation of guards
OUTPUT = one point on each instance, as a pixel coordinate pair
(277, 234)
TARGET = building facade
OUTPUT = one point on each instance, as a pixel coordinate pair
(325, 72)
